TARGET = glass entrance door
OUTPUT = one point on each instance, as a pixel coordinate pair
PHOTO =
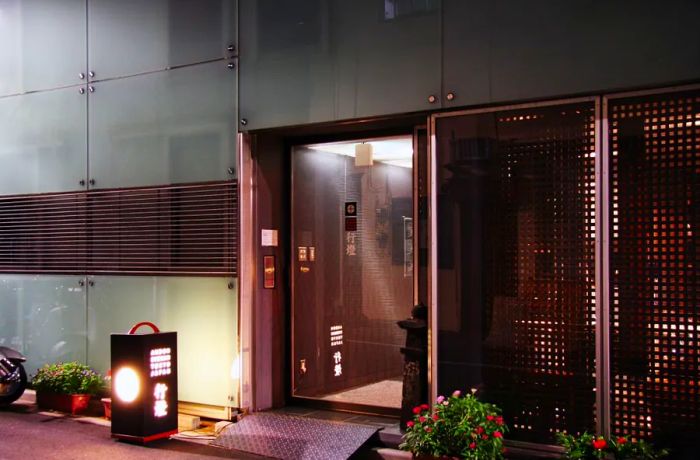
(352, 270)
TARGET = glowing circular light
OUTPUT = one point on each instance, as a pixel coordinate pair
(126, 384)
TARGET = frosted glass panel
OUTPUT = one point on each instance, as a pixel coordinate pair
(312, 61)
(42, 44)
(43, 317)
(43, 142)
(177, 126)
(203, 311)
(134, 36)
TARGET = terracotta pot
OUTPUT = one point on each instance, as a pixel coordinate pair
(107, 404)
(73, 404)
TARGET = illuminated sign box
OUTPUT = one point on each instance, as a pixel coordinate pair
(144, 385)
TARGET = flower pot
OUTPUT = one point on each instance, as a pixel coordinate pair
(107, 404)
(72, 404)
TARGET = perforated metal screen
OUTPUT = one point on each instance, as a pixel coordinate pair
(516, 264)
(655, 278)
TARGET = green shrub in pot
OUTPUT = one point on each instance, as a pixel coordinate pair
(457, 427)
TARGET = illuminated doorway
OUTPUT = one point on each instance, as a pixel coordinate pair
(352, 269)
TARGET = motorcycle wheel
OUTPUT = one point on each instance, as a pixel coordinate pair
(10, 392)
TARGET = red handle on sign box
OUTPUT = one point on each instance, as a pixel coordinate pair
(144, 323)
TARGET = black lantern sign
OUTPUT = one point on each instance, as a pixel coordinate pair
(144, 384)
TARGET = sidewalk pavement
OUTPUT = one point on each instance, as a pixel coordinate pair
(27, 433)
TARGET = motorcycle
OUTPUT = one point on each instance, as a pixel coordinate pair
(13, 377)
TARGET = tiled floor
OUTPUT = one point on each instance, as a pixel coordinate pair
(386, 393)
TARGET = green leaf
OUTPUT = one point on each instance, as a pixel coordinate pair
(68, 378)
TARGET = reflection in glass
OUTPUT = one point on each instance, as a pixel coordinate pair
(43, 317)
(516, 249)
(353, 269)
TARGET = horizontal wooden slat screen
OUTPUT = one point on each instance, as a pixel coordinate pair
(184, 230)
(43, 233)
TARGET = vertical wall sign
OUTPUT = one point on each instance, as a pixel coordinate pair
(351, 216)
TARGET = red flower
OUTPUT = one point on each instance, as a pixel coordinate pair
(490, 418)
(479, 430)
(472, 445)
(428, 429)
(416, 410)
(421, 419)
(621, 440)
(484, 436)
(410, 424)
(436, 417)
(424, 406)
(499, 420)
(599, 444)
(497, 434)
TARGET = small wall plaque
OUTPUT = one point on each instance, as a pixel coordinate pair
(268, 237)
(302, 253)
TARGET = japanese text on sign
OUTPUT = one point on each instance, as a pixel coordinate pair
(338, 369)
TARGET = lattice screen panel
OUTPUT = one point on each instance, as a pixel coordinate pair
(655, 277)
(517, 190)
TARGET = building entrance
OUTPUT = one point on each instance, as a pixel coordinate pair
(351, 269)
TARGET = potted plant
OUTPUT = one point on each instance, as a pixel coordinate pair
(588, 447)
(66, 387)
(458, 427)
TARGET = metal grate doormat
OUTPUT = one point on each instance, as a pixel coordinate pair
(297, 438)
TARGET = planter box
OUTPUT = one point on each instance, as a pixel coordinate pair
(73, 404)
